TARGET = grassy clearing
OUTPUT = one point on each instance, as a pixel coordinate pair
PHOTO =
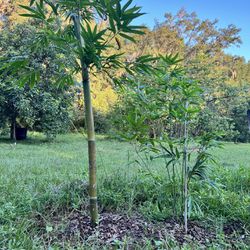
(41, 179)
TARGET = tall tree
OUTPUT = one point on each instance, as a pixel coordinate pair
(201, 43)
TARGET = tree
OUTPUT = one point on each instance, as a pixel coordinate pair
(37, 108)
(202, 44)
(86, 30)
(44, 107)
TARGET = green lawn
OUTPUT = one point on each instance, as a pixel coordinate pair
(35, 164)
(40, 162)
(31, 170)
(234, 155)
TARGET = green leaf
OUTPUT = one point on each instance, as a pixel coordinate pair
(128, 37)
(53, 6)
(126, 5)
(32, 2)
(118, 9)
(31, 15)
(40, 9)
(34, 13)
(112, 25)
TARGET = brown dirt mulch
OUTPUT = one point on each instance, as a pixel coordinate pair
(235, 231)
(114, 227)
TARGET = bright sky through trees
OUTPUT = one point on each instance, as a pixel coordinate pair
(227, 11)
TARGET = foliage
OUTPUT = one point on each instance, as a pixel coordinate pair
(102, 123)
(204, 59)
(35, 109)
(44, 107)
(98, 38)
(9, 12)
(224, 78)
(238, 114)
(103, 98)
(85, 30)
(170, 97)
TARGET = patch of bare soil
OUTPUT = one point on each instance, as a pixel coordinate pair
(235, 231)
(113, 228)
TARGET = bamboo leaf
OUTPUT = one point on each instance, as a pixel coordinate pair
(126, 5)
(127, 37)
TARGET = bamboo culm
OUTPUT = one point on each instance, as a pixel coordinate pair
(90, 129)
(185, 170)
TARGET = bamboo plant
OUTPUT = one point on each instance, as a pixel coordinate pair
(179, 102)
(88, 32)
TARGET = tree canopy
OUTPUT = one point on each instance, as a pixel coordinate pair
(44, 107)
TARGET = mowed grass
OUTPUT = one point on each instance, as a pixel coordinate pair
(32, 170)
(234, 155)
(39, 162)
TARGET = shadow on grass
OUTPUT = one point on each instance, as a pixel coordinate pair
(28, 141)
(34, 138)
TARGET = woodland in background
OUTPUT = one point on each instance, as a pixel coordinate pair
(225, 79)
(200, 44)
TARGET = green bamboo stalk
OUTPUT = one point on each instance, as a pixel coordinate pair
(90, 129)
(91, 147)
(185, 170)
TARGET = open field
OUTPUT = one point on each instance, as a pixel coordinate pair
(39, 179)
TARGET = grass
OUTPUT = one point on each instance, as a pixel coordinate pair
(37, 178)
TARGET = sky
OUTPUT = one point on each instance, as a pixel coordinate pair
(235, 12)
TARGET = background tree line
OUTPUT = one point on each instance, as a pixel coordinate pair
(200, 44)
(225, 79)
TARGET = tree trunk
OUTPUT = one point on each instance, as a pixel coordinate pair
(90, 129)
(13, 130)
(248, 118)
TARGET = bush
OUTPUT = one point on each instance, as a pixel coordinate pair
(102, 124)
